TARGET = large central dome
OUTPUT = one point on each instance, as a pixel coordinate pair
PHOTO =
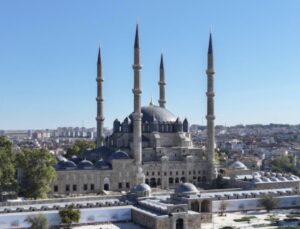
(152, 112)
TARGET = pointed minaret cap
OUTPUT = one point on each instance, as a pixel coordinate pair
(161, 61)
(136, 41)
(99, 56)
(151, 102)
(210, 46)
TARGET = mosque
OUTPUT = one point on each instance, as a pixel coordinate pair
(151, 145)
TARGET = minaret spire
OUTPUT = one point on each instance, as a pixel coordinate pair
(137, 115)
(162, 83)
(210, 117)
(99, 99)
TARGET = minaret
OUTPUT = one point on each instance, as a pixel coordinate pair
(137, 115)
(210, 117)
(99, 99)
(162, 83)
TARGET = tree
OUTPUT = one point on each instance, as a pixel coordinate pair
(7, 166)
(38, 172)
(222, 208)
(38, 221)
(268, 202)
(69, 215)
(219, 183)
(284, 164)
(79, 146)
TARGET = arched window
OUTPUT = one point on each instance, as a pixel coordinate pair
(147, 181)
(182, 179)
(171, 181)
(205, 206)
(179, 224)
(176, 180)
(199, 179)
(195, 206)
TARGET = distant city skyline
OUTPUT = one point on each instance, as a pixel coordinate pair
(48, 54)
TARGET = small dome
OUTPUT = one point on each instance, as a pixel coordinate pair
(101, 164)
(186, 188)
(85, 164)
(238, 165)
(66, 165)
(142, 188)
(257, 180)
(119, 155)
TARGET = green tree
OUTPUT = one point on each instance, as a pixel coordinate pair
(38, 172)
(69, 215)
(268, 202)
(219, 183)
(79, 146)
(7, 166)
(38, 221)
(284, 164)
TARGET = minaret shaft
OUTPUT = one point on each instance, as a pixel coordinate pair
(162, 83)
(99, 99)
(137, 115)
(210, 117)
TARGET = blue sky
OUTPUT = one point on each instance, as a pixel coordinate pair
(48, 53)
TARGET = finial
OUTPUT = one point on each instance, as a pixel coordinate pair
(99, 56)
(136, 41)
(151, 102)
(161, 61)
(210, 46)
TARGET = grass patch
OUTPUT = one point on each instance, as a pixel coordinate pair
(245, 219)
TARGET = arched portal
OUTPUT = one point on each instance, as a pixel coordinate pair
(106, 183)
(179, 224)
(153, 182)
(158, 181)
(147, 181)
(176, 180)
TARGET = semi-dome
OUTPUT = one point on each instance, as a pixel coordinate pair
(157, 113)
(66, 165)
(119, 155)
(186, 188)
(101, 164)
(85, 164)
(237, 165)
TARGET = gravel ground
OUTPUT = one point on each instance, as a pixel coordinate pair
(228, 219)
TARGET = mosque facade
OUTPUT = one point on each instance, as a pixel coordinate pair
(151, 145)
